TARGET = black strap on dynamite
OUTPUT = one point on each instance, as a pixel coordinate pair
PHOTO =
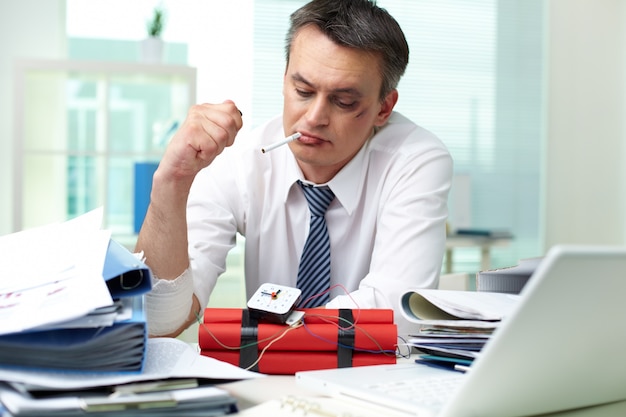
(248, 353)
(345, 339)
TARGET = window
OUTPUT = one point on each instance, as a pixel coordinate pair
(474, 79)
(82, 129)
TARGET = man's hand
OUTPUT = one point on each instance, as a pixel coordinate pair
(204, 134)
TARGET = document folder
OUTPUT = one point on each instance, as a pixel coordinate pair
(86, 344)
(116, 348)
(125, 274)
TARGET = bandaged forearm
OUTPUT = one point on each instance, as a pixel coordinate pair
(169, 303)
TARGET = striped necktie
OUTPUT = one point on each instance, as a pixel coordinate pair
(314, 270)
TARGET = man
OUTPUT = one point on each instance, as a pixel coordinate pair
(389, 179)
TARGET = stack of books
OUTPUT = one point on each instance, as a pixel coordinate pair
(453, 326)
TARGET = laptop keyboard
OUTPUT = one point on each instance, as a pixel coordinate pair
(430, 392)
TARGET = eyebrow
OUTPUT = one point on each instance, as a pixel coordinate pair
(297, 77)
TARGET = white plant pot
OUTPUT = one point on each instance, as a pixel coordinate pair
(152, 50)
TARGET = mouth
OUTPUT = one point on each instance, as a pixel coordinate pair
(309, 139)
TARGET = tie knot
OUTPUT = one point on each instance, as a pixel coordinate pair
(319, 198)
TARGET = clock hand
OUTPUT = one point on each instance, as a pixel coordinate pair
(273, 294)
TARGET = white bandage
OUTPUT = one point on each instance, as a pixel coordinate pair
(169, 303)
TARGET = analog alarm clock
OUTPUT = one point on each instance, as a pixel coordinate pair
(274, 303)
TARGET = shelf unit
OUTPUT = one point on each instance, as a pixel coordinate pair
(82, 126)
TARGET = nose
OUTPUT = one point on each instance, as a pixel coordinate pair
(318, 112)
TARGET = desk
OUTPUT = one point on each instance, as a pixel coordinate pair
(255, 395)
(485, 243)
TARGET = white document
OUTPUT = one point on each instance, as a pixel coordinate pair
(165, 358)
(457, 308)
(53, 273)
(471, 305)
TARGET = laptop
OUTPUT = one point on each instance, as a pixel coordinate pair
(561, 348)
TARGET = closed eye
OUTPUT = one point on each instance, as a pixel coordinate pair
(303, 93)
(346, 104)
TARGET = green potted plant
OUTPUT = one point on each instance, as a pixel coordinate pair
(156, 24)
(152, 46)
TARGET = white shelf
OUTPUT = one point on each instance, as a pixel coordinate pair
(81, 126)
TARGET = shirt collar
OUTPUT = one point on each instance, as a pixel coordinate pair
(346, 185)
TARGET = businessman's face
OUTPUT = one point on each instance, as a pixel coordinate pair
(331, 96)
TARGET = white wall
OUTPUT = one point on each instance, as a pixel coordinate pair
(585, 151)
(222, 52)
(218, 36)
(219, 49)
(28, 28)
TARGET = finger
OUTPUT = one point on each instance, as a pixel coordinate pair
(209, 131)
(222, 122)
(230, 108)
(230, 102)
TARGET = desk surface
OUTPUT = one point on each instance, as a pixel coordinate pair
(259, 396)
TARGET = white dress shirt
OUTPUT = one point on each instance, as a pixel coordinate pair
(386, 224)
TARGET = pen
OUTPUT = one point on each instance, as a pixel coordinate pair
(281, 142)
(461, 368)
(448, 366)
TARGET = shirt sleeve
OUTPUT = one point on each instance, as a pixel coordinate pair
(214, 216)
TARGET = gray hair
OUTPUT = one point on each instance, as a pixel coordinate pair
(358, 24)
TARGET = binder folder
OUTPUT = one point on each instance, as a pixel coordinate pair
(85, 345)
(116, 348)
(125, 274)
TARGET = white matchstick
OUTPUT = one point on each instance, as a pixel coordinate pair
(281, 142)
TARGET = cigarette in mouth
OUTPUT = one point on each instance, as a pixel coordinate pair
(281, 142)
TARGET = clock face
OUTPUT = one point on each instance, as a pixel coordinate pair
(274, 298)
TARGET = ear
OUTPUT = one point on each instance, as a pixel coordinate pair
(386, 107)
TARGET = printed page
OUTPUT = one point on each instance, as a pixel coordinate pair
(53, 273)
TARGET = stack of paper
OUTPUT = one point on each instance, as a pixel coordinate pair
(71, 299)
(453, 326)
(73, 335)
(175, 381)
